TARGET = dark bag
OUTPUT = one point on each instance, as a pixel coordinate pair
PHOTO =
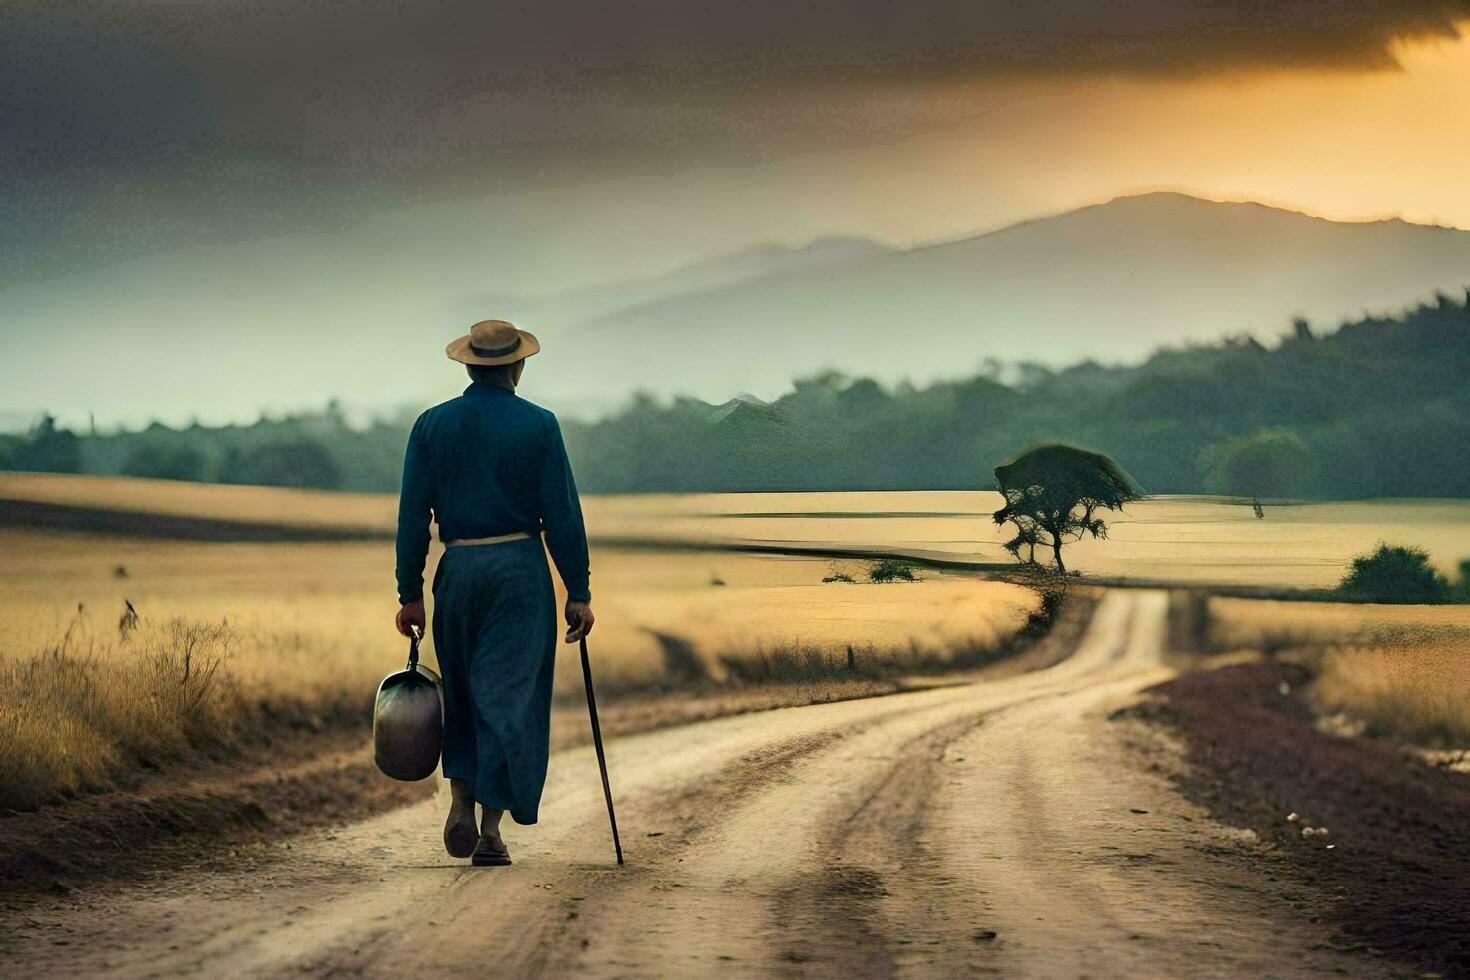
(408, 720)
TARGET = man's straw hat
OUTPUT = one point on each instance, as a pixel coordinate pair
(492, 342)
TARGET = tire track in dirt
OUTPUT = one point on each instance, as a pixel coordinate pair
(771, 890)
(1091, 864)
(555, 935)
(666, 916)
(878, 858)
(323, 907)
(909, 902)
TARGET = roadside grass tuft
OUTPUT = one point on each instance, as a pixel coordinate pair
(1390, 670)
(80, 715)
(794, 663)
(1414, 691)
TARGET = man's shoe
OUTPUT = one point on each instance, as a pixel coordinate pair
(460, 833)
(491, 852)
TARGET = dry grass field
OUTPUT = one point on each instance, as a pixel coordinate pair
(274, 505)
(1269, 624)
(1175, 539)
(1401, 671)
(300, 633)
(234, 636)
(1416, 691)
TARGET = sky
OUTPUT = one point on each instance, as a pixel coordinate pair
(219, 208)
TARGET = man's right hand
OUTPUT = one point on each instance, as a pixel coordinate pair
(410, 615)
(579, 620)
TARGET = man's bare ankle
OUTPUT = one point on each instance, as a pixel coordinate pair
(460, 793)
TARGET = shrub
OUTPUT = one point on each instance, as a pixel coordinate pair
(892, 570)
(1395, 573)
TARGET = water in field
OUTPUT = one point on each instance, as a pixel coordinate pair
(1185, 539)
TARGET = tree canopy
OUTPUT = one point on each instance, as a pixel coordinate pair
(1052, 496)
(1271, 462)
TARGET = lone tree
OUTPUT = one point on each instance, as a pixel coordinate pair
(1053, 494)
(1264, 463)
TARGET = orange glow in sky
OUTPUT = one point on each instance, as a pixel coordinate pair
(1342, 145)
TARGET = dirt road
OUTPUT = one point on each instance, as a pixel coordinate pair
(1004, 827)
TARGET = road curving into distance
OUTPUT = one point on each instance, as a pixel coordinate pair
(1006, 827)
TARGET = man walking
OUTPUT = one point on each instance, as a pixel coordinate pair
(492, 470)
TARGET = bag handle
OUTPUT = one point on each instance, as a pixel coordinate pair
(413, 649)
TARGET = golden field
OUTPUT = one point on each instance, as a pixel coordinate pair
(1198, 540)
(307, 634)
(302, 629)
(309, 615)
(275, 505)
(1257, 623)
(1398, 670)
(1416, 691)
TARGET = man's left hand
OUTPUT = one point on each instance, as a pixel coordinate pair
(579, 620)
(410, 615)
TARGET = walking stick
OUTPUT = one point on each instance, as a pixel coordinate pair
(597, 741)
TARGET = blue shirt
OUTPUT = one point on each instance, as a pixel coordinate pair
(484, 464)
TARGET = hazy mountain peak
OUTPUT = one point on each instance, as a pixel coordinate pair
(1111, 282)
(771, 260)
(1182, 203)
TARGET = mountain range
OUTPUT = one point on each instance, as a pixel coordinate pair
(1109, 283)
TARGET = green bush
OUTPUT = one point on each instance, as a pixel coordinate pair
(1395, 573)
(892, 570)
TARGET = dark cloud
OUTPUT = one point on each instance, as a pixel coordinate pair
(213, 107)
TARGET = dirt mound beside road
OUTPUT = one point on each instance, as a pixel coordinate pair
(1393, 870)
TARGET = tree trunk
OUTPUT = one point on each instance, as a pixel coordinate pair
(1056, 549)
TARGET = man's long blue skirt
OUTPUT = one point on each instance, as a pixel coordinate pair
(495, 639)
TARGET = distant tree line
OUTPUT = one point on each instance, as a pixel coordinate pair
(318, 450)
(1377, 407)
